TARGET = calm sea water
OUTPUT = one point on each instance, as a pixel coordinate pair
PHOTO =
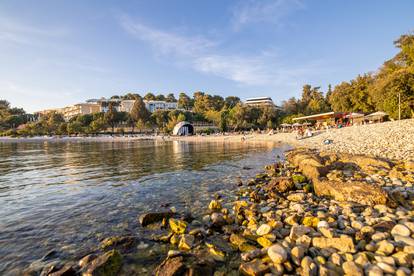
(68, 195)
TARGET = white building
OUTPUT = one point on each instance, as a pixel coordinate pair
(126, 105)
(259, 101)
(160, 105)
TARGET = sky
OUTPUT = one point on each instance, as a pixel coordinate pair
(58, 53)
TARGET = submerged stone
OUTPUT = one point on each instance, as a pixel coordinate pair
(186, 242)
(149, 218)
(105, 265)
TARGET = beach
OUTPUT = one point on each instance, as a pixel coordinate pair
(392, 140)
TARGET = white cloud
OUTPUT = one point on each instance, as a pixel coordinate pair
(267, 11)
(203, 55)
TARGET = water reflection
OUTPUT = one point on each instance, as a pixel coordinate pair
(68, 195)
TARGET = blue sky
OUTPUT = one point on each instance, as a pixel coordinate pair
(56, 53)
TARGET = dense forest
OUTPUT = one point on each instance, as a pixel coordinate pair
(366, 93)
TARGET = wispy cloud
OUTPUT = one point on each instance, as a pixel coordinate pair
(204, 55)
(164, 42)
(41, 96)
(15, 31)
(267, 11)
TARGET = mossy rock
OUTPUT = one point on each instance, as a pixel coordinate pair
(214, 205)
(298, 178)
(264, 242)
(310, 221)
(107, 264)
(245, 247)
(308, 188)
(178, 226)
(217, 254)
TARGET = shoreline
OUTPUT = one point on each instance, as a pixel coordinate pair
(392, 140)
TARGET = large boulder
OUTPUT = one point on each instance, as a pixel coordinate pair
(309, 162)
(361, 192)
(366, 163)
(152, 217)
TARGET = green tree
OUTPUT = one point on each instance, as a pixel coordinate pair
(139, 113)
(74, 128)
(160, 118)
(184, 101)
(149, 97)
(231, 101)
(171, 98)
(160, 97)
(111, 117)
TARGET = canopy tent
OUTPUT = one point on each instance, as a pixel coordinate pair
(296, 125)
(183, 128)
(321, 116)
(376, 116)
(285, 125)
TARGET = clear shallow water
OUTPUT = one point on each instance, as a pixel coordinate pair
(67, 196)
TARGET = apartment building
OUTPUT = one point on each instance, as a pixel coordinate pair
(260, 102)
(79, 109)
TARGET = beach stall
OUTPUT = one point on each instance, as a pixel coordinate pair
(355, 118)
(324, 119)
(183, 128)
(376, 117)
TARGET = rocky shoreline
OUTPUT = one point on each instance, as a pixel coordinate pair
(316, 213)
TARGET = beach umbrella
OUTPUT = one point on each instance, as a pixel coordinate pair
(285, 125)
(296, 124)
(354, 115)
(378, 113)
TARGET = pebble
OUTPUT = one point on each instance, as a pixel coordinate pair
(351, 268)
(404, 240)
(400, 230)
(297, 254)
(263, 229)
(386, 268)
(277, 253)
(373, 270)
(385, 247)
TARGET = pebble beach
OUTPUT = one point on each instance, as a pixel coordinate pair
(394, 140)
(345, 208)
